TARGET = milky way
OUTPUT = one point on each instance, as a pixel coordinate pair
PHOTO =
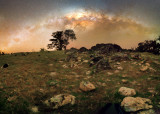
(27, 25)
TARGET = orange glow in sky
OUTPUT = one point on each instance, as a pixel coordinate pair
(91, 27)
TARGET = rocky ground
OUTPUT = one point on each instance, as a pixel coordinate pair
(79, 82)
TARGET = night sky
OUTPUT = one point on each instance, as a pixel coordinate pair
(27, 25)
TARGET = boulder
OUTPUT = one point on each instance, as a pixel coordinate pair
(86, 86)
(127, 91)
(60, 100)
(131, 104)
(5, 66)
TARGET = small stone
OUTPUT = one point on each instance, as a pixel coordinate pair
(127, 91)
(125, 81)
(108, 80)
(144, 68)
(13, 98)
(148, 78)
(153, 70)
(134, 63)
(79, 58)
(109, 73)
(151, 90)
(118, 63)
(53, 83)
(88, 72)
(101, 84)
(124, 75)
(85, 61)
(147, 64)
(41, 90)
(87, 86)
(119, 68)
(34, 109)
(139, 64)
(138, 84)
(65, 66)
(116, 71)
(53, 74)
(50, 65)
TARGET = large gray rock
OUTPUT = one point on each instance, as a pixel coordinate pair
(131, 104)
(127, 91)
(60, 100)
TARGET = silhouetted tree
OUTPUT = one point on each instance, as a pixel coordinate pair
(152, 46)
(2, 53)
(61, 39)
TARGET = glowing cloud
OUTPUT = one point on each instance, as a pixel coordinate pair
(91, 27)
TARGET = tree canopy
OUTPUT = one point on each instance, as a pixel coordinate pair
(61, 39)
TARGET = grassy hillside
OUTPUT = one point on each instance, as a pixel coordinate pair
(34, 77)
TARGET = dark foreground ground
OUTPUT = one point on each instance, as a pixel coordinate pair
(34, 77)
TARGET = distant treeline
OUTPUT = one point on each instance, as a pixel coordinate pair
(152, 46)
(2, 53)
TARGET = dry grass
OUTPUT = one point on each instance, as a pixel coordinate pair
(29, 77)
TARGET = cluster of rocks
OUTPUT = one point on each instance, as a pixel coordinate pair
(100, 63)
(60, 100)
(129, 104)
(136, 56)
(120, 57)
(100, 48)
(135, 104)
(146, 67)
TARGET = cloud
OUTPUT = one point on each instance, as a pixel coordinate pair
(91, 27)
(97, 27)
